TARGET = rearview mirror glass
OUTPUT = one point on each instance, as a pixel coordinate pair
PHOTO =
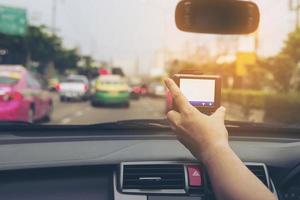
(217, 16)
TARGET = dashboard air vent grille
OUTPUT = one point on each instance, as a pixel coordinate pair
(158, 176)
(260, 172)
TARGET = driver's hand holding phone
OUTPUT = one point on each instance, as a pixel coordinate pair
(207, 139)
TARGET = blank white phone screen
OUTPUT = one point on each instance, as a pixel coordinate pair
(199, 92)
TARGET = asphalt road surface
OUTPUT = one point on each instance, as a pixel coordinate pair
(77, 112)
(83, 113)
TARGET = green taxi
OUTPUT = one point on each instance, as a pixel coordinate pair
(111, 90)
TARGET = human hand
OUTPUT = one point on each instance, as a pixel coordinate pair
(203, 135)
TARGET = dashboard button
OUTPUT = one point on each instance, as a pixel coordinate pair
(194, 174)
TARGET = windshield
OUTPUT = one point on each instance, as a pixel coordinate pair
(123, 50)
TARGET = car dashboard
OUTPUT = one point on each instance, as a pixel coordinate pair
(134, 180)
(131, 164)
(130, 180)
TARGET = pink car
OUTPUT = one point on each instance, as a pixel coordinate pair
(21, 96)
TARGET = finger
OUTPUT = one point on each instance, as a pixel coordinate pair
(220, 113)
(179, 98)
(174, 118)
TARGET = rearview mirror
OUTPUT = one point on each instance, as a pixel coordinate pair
(217, 16)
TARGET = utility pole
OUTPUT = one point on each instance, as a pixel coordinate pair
(53, 23)
(137, 66)
(294, 6)
(256, 41)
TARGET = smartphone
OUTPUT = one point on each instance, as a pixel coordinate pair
(202, 91)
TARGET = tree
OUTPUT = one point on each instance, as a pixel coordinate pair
(45, 48)
(87, 67)
(259, 76)
(282, 68)
(39, 46)
(292, 46)
(283, 65)
(42, 47)
(66, 59)
(87, 61)
(16, 51)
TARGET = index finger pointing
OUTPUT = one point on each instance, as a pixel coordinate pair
(179, 98)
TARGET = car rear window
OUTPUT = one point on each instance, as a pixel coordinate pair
(73, 81)
(112, 82)
(9, 78)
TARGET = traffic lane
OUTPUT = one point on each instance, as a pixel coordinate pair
(76, 112)
(84, 113)
(62, 111)
(144, 108)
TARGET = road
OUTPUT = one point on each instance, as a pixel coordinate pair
(84, 113)
(144, 108)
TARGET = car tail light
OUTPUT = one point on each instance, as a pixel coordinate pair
(5, 97)
(12, 96)
(136, 89)
(143, 91)
(17, 96)
(85, 88)
(58, 87)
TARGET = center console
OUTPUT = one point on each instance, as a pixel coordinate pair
(171, 180)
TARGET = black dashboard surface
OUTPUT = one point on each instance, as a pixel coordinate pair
(76, 183)
(48, 164)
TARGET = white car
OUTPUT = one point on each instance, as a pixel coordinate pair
(156, 90)
(74, 87)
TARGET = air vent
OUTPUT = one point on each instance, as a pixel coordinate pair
(153, 177)
(260, 171)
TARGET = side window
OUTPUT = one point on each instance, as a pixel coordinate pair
(32, 82)
(37, 83)
(42, 83)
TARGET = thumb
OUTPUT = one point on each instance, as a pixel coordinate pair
(220, 113)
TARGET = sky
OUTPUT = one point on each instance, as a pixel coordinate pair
(137, 29)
